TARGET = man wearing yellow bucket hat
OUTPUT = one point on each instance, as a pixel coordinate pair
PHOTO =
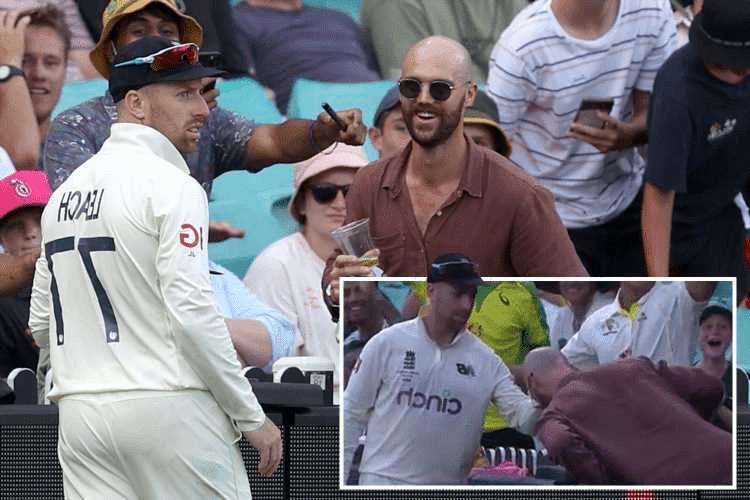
(227, 141)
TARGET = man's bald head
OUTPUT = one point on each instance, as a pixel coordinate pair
(544, 368)
(441, 53)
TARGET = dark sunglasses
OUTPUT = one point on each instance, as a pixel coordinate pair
(326, 192)
(440, 90)
(169, 58)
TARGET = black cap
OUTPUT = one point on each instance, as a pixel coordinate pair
(454, 268)
(720, 33)
(134, 76)
(390, 100)
(715, 309)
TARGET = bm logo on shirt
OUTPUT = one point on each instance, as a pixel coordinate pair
(434, 402)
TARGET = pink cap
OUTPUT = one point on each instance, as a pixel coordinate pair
(25, 188)
(338, 155)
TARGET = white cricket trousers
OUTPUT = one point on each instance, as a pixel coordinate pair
(149, 445)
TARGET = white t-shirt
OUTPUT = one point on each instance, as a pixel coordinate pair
(122, 292)
(423, 405)
(6, 164)
(539, 75)
(286, 275)
(665, 328)
(561, 325)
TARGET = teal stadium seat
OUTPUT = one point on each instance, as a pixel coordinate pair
(74, 93)
(307, 95)
(743, 338)
(256, 203)
(246, 97)
(253, 202)
(351, 7)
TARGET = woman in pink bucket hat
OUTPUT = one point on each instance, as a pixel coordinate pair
(286, 275)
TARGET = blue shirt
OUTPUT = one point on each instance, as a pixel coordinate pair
(235, 301)
(76, 134)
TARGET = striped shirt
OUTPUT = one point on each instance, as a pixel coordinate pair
(539, 75)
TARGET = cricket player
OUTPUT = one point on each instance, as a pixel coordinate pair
(148, 384)
(421, 388)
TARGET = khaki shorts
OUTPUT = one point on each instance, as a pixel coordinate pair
(149, 445)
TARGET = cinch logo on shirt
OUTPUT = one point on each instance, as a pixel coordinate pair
(420, 400)
(717, 130)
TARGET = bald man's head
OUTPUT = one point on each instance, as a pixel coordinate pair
(441, 52)
(544, 368)
(441, 61)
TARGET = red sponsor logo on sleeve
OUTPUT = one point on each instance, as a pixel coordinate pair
(191, 237)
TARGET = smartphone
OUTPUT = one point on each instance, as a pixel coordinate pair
(210, 59)
(587, 112)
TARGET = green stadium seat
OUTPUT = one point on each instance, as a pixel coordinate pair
(256, 203)
(247, 97)
(74, 93)
(307, 95)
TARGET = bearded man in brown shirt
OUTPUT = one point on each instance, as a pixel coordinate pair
(444, 194)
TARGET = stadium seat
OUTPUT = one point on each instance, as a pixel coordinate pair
(246, 97)
(74, 93)
(743, 338)
(256, 203)
(351, 7)
(307, 95)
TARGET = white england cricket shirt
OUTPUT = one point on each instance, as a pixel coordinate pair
(122, 291)
(423, 404)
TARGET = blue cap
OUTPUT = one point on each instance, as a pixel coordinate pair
(391, 99)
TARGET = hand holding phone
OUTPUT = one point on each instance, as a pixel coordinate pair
(587, 112)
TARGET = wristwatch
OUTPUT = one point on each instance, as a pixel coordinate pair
(7, 72)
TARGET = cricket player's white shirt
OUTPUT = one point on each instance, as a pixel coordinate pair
(665, 328)
(423, 405)
(122, 292)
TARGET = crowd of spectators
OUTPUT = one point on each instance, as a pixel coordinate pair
(557, 138)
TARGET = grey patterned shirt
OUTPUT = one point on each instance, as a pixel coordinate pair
(76, 134)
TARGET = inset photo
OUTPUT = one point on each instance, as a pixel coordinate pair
(464, 381)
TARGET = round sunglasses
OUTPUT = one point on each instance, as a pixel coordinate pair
(440, 90)
(326, 192)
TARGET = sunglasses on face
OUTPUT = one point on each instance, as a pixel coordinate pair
(326, 192)
(440, 90)
(169, 58)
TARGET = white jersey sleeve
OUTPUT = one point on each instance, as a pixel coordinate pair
(521, 412)
(201, 334)
(39, 311)
(360, 396)
(578, 350)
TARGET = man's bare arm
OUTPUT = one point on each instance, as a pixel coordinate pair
(21, 140)
(297, 140)
(251, 341)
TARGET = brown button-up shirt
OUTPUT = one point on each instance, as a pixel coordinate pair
(499, 217)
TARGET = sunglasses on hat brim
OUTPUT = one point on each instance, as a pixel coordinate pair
(169, 58)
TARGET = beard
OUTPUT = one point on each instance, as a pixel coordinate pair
(446, 123)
